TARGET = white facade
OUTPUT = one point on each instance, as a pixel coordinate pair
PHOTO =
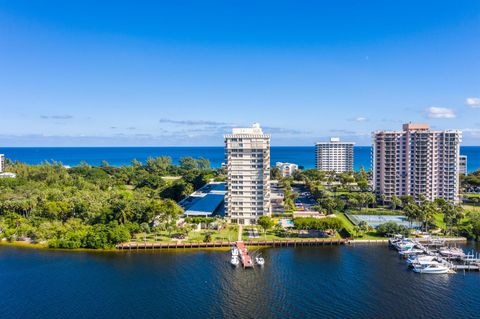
(247, 152)
(286, 169)
(463, 169)
(334, 156)
(418, 162)
(2, 163)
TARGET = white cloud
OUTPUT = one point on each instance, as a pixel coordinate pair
(475, 132)
(360, 119)
(473, 102)
(441, 113)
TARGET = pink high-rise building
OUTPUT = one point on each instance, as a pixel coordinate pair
(417, 161)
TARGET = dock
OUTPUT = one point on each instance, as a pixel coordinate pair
(245, 258)
(469, 262)
(260, 243)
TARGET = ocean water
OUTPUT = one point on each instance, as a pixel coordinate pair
(301, 155)
(360, 281)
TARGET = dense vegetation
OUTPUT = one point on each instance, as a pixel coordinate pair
(322, 224)
(390, 228)
(98, 207)
(350, 192)
(471, 180)
(95, 207)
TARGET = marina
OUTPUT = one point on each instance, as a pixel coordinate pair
(434, 257)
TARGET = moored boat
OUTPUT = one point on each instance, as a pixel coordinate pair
(431, 268)
(395, 239)
(404, 244)
(410, 252)
(260, 261)
(235, 261)
(420, 259)
(452, 252)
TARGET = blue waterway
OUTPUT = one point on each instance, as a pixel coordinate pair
(301, 155)
(357, 281)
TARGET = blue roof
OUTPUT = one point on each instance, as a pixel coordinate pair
(214, 187)
(206, 205)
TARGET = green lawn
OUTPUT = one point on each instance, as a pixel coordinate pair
(471, 195)
(471, 208)
(350, 228)
(346, 223)
(438, 220)
(228, 234)
(272, 236)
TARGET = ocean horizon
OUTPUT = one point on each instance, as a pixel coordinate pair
(123, 155)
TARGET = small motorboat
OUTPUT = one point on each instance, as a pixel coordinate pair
(394, 240)
(235, 261)
(405, 244)
(424, 263)
(431, 268)
(260, 261)
(235, 251)
(410, 252)
(452, 252)
(436, 241)
(419, 259)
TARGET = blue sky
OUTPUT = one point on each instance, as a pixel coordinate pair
(78, 73)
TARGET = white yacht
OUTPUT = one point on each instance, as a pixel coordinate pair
(235, 261)
(431, 268)
(234, 251)
(452, 252)
(260, 261)
(405, 244)
(410, 252)
(420, 259)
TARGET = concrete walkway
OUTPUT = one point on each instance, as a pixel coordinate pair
(240, 232)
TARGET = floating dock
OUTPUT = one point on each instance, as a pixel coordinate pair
(245, 258)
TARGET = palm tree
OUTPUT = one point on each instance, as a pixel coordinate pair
(412, 212)
(452, 215)
(427, 210)
(383, 198)
(357, 230)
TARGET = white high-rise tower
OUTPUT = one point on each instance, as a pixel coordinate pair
(334, 156)
(247, 155)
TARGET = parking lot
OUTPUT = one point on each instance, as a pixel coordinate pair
(305, 200)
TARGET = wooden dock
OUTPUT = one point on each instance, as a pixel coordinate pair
(466, 267)
(245, 258)
(266, 243)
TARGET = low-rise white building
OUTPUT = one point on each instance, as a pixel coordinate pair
(286, 169)
(8, 175)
